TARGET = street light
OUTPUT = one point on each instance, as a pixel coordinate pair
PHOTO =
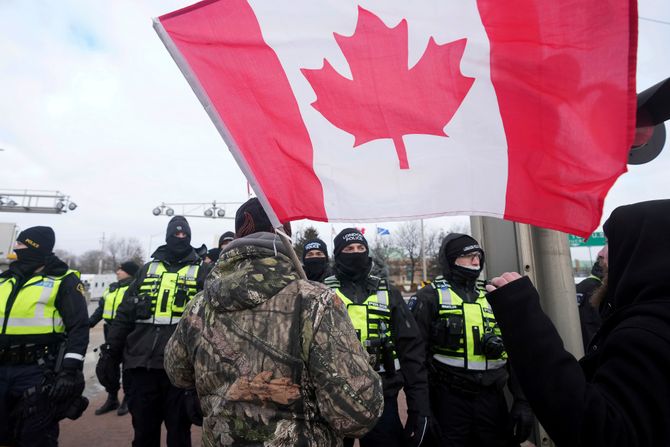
(211, 210)
(35, 201)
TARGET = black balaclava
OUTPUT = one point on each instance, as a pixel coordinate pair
(314, 267)
(178, 247)
(39, 242)
(352, 266)
(455, 245)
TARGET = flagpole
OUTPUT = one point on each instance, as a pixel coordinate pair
(423, 254)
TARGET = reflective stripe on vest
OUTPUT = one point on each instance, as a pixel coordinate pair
(33, 311)
(478, 319)
(169, 292)
(112, 302)
(371, 318)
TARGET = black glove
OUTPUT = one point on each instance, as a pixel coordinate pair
(107, 368)
(192, 406)
(69, 383)
(419, 428)
(522, 420)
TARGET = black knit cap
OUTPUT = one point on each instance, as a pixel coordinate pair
(129, 267)
(176, 224)
(226, 237)
(314, 244)
(462, 245)
(38, 239)
(346, 237)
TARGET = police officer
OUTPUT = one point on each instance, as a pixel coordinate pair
(315, 260)
(589, 315)
(106, 310)
(43, 341)
(466, 357)
(387, 329)
(225, 239)
(145, 320)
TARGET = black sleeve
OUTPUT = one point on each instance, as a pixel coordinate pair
(96, 316)
(203, 271)
(124, 319)
(411, 354)
(625, 401)
(424, 310)
(71, 305)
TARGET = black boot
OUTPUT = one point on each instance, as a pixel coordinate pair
(112, 403)
(123, 409)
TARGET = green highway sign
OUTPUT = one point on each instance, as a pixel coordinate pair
(597, 239)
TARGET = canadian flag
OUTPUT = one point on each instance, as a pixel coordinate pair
(394, 110)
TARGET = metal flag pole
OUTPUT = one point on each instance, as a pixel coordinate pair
(286, 240)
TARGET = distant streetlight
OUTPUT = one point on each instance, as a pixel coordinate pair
(35, 201)
(211, 210)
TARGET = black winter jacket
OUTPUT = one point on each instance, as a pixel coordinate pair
(71, 305)
(619, 393)
(142, 345)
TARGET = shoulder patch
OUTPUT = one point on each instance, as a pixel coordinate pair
(411, 303)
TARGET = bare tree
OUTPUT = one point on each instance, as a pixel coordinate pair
(69, 258)
(408, 240)
(89, 262)
(119, 249)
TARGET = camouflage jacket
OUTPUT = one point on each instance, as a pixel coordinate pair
(275, 360)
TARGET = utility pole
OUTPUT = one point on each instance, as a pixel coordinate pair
(102, 253)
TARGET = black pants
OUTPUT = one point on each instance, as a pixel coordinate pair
(469, 419)
(14, 380)
(388, 432)
(125, 379)
(152, 401)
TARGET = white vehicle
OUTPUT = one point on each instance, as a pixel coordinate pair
(8, 233)
(96, 284)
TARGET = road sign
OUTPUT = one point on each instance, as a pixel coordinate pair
(597, 239)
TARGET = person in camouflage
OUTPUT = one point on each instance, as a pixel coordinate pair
(274, 359)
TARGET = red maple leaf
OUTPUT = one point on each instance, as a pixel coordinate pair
(386, 98)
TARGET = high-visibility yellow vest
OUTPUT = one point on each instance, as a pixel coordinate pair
(478, 319)
(371, 318)
(169, 292)
(112, 301)
(33, 311)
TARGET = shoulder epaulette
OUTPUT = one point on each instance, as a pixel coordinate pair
(377, 283)
(440, 283)
(332, 282)
(481, 284)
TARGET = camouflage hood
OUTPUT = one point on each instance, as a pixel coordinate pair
(250, 271)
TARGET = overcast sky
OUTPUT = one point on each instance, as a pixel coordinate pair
(92, 105)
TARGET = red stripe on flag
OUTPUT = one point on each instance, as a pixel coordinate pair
(564, 75)
(243, 78)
